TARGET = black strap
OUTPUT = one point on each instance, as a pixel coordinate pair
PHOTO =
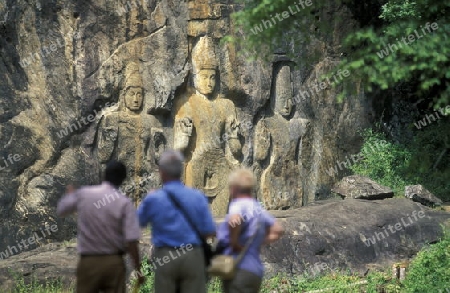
(186, 216)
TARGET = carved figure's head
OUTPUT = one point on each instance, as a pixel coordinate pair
(204, 65)
(205, 81)
(283, 92)
(133, 96)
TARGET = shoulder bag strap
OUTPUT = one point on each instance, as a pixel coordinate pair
(248, 243)
(184, 213)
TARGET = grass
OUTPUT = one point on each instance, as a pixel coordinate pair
(334, 283)
(53, 286)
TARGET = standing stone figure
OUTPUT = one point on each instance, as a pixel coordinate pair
(207, 131)
(126, 134)
(278, 146)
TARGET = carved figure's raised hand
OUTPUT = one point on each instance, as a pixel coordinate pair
(186, 126)
(183, 132)
(232, 127)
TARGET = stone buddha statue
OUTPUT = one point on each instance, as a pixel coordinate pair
(278, 146)
(207, 130)
(126, 133)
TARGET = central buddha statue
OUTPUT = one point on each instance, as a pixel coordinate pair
(207, 130)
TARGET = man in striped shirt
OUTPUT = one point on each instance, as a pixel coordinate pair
(105, 234)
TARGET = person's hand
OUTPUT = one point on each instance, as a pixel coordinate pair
(141, 279)
(70, 188)
(139, 282)
(237, 247)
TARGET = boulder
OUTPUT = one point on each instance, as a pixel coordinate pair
(352, 235)
(360, 187)
(420, 194)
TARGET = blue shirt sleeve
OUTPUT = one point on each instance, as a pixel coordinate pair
(143, 211)
(267, 219)
(208, 226)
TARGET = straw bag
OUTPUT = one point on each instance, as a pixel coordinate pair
(224, 266)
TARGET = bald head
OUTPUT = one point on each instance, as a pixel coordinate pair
(171, 165)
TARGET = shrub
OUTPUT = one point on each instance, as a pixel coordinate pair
(423, 159)
(383, 161)
(430, 270)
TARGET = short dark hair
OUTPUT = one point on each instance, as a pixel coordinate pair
(115, 173)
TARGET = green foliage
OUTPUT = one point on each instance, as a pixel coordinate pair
(148, 286)
(385, 162)
(292, 31)
(381, 56)
(416, 161)
(386, 57)
(336, 282)
(52, 286)
(429, 271)
(382, 282)
(427, 166)
(399, 9)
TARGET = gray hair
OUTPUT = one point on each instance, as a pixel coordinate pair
(171, 163)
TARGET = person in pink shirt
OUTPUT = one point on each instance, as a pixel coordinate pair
(107, 229)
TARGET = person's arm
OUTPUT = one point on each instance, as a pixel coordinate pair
(133, 251)
(68, 204)
(235, 226)
(274, 232)
(107, 136)
(132, 234)
(143, 212)
(207, 224)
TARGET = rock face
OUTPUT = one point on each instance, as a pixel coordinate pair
(418, 193)
(89, 81)
(356, 186)
(353, 235)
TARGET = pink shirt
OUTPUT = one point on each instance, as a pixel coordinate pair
(106, 218)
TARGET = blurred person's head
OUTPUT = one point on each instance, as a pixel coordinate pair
(241, 183)
(115, 173)
(171, 165)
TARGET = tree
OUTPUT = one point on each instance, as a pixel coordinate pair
(405, 42)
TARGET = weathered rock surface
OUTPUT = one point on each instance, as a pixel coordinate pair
(326, 236)
(420, 194)
(353, 235)
(63, 61)
(360, 187)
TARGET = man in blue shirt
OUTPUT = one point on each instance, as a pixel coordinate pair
(178, 258)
